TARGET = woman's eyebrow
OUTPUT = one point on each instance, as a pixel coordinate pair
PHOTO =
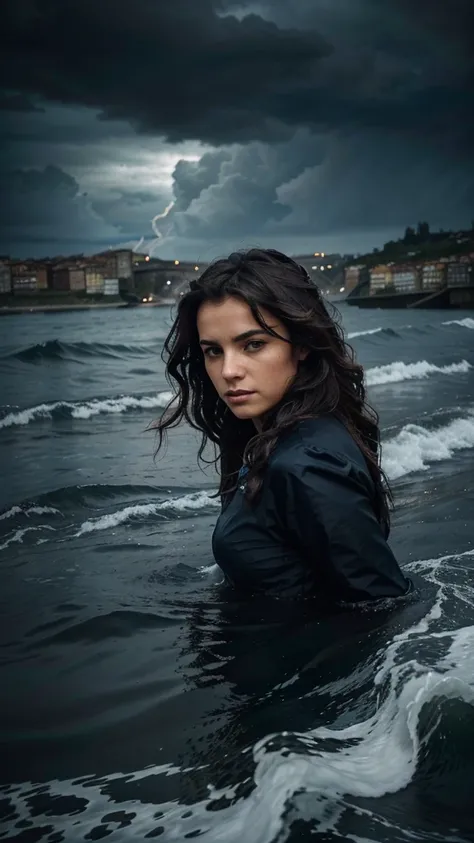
(238, 338)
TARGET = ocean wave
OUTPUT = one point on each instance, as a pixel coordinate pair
(30, 510)
(319, 775)
(69, 499)
(391, 373)
(415, 447)
(389, 332)
(76, 351)
(187, 503)
(86, 409)
(398, 371)
(468, 322)
(18, 535)
(59, 350)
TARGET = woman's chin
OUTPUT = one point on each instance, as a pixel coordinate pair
(244, 412)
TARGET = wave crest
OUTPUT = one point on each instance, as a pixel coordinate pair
(468, 322)
(58, 350)
(398, 371)
(415, 447)
(86, 409)
(186, 503)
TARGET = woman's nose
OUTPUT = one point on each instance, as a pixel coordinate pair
(231, 366)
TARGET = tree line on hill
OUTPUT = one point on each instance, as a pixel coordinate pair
(421, 244)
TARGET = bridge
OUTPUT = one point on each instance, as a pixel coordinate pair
(327, 280)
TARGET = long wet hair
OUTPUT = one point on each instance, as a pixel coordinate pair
(328, 380)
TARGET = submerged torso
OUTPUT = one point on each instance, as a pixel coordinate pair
(250, 549)
(258, 546)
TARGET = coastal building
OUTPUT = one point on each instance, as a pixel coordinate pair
(70, 279)
(433, 276)
(460, 274)
(25, 283)
(5, 277)
(354, 275)
(111, 287)
(406, 278)
(381, 278)
(29, 277)
(117, 263)
(94, 281)
(77, 279)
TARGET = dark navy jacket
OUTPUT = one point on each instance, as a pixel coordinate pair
(313, 531)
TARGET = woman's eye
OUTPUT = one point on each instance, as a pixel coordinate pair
(215, 351)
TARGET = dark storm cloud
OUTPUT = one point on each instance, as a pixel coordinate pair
(235, 190)
(329, 117)
(47, 206)
(322, 185)
(13, 102)
(390, 138)
(173, 68)
(378, 180)
(130, 212)
(183, 71)
(452, 20)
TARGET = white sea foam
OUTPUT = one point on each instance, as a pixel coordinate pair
(18, 535)
(87, 409)
(391, 373)
(415, 447)
(380, 330)
(15, 510)
(372, 757)
(209, 569)
(398, 371)
(31, 510)
(354, 334)
(412, 449)
(468, 322)
(121, 405)
(186, 503)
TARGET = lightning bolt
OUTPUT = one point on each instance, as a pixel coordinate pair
(161, 217)
(158, 235)
(137, 245)
(157, 240)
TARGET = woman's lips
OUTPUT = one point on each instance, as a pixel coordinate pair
(239, 397)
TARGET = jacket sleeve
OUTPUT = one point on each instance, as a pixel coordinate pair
(323, 504)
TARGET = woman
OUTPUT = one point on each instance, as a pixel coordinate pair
(262, 371)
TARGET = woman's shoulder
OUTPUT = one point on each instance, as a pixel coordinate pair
(324, 439)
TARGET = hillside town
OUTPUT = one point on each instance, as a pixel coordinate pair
(420, 264)
(425, 266)
(107, 278)
(119, 276)
(407, 278)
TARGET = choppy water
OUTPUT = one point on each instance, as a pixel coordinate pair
(138, 699)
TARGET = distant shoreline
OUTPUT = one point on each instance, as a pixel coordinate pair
(335, 298)
(61, 308)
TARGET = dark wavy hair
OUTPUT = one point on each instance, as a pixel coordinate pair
(328, 380)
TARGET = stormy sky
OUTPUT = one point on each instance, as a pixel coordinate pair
(193, 127)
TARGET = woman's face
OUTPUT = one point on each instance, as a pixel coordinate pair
(250, 369)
